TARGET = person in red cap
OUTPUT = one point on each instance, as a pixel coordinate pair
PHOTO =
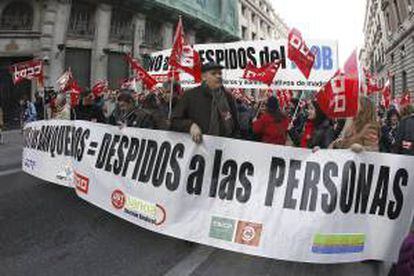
(208, 108)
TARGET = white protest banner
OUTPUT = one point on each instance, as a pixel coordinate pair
(272, 201)
(236, 55)
(47, 156)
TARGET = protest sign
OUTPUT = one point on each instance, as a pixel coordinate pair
(236, 56)
(272, 201)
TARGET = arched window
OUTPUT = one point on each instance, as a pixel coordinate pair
(17, 16)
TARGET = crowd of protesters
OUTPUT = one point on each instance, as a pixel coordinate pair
(212, 110)
(209, 109)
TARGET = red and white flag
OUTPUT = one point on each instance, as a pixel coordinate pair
(386, 95)
(75, 91)
(28, 70)
(147, 80)
(299, 53)
(67, 84)
(405, 99)
(339, 97)
(129, 83)
(265, 74)
(371, 82)
(100, 88)
(183, 57)
(63, 80)
(238, 94)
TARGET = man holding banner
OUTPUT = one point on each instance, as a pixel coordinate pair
(207, 108)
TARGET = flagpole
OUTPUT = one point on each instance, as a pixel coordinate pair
(297, 109)
(171, 95)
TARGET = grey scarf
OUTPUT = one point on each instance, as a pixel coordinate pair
(221, 119)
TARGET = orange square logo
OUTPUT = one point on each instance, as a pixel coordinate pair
(248, 233)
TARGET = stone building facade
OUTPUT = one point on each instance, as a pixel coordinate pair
(91, 37)
(389, 42)
(258, 20)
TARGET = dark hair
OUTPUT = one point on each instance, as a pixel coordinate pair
(125, 97)
(391, 113)
(273, 108)
(320, 116)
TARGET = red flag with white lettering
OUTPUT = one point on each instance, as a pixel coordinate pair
(148, 81)
(238, 94)
(386, 96)
(28, 70)
(299, 53)
(100, 87)
(75, 91)
(339, 97)
(371, 82)
(405, 99)
(184, 57)
(177, 49)
(265, 74)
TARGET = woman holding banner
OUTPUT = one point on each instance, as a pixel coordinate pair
(318, 132)
(363, 132)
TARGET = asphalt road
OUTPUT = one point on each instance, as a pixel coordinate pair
(46, 229)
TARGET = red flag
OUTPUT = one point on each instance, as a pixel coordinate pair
(177, 49)
(299, 53)
(129, 83)
(100, 87)
(63, 80)
(386, 96)
(371, 83)
(238, 94)
(148, 81)
(28, 70)
(405, 99)
(339, 97)
(351, 66)
(184, 57)
(265, 74)
(75, 91)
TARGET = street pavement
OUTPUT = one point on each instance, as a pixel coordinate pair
(46, 229)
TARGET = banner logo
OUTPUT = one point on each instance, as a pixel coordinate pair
(248, 233)
(222, 228)
(81, 183)
(29, 163)
(338, 243)
(118, 199)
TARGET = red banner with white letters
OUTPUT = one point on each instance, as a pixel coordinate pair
(28, 70)
(148, 81)
(299, 53)
(339, 97)
(265, 74)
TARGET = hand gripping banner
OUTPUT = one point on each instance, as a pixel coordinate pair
(272, 201)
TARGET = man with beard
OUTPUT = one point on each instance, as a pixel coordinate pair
(207, 108)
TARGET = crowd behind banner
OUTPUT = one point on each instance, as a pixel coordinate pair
(276, 117)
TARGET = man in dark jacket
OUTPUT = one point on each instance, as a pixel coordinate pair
(405, 136)
(87, 110)
(207, 109)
